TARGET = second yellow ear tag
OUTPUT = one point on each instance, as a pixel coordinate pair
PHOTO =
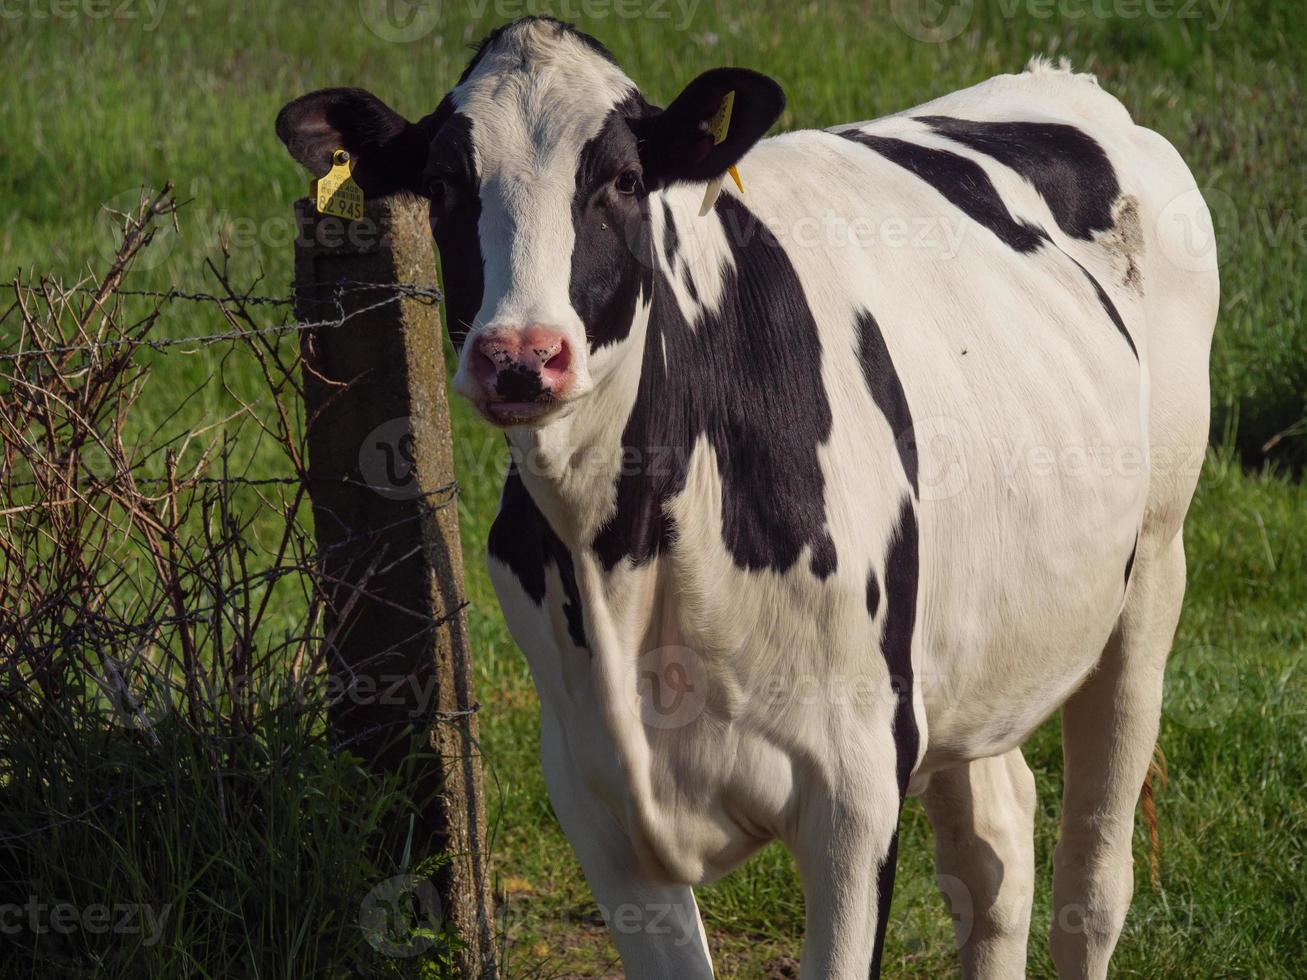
(718, 126)
(336, 193)
(720, 123)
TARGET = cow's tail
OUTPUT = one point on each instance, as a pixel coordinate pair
(1154, 780)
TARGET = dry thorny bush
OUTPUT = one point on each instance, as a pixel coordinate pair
(119, 563)
(163, 628)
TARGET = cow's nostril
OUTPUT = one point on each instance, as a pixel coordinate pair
(483, 368)
(561, 361)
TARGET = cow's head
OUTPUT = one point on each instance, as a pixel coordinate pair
(539, 166)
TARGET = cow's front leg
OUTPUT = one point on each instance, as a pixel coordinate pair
(846, 850)
(655, 926)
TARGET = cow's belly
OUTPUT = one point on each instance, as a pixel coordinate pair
(1025, 559)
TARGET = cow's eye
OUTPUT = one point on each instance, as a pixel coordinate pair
(628, 182)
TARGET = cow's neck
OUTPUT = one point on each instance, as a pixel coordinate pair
(571, 465)
(697, 387)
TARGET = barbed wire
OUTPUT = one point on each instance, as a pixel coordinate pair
(427, 293)
(344, 286)
(93, 483)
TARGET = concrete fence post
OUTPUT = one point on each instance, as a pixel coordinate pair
(381, 477)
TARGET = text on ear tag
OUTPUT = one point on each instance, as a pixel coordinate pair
(336, 193)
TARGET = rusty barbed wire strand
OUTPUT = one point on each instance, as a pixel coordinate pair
(428, 293)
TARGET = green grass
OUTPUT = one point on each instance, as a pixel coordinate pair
(95, 108)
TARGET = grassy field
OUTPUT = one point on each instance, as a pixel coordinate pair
(97, 106)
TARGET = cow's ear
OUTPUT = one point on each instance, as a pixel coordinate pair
(709, 126)
(388, 152)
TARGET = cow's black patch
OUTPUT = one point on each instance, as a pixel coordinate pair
(453, 186)
(873, 593)
(887, 390)
(688, 279)
(522, 539)
(824, 561)
(1109, 307)
(964, 182)
(612, 258)
(748, 378)
(671, 240)
(884, 895)
(1065, 164)
(901, 576)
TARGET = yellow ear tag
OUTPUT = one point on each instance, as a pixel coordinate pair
(336, 193)
(718, 126)
(720, 123)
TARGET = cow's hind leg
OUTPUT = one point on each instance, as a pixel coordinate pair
(983, 814)
(1109, 728)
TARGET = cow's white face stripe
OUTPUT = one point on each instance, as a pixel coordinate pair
(535, 96)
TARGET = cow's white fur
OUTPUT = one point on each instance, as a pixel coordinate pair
(1003, 358)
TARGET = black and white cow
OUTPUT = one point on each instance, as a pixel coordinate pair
(832, 494)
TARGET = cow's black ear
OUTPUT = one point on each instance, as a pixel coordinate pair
(680, 143)
(388, 152)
